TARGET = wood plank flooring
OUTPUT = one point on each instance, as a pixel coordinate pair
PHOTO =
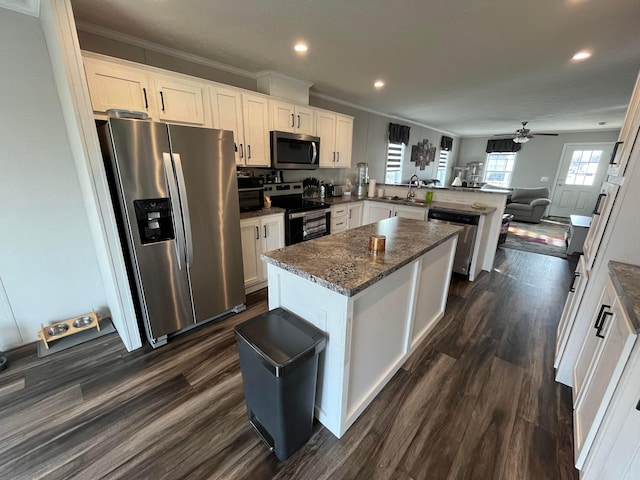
(476, 401)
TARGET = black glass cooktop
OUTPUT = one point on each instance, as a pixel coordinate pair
(295, 203)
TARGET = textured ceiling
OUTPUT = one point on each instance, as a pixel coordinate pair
(471, 67)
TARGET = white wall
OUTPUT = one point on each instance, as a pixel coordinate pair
(538, 158)
(48, 265)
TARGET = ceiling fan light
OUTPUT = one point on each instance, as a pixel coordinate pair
(521, 139)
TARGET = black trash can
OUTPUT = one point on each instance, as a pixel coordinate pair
(279, 362)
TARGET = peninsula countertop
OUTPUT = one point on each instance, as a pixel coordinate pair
(342, 262)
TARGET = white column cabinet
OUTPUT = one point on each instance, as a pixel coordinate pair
(113, 86)
(180, 101)
(287, 117)
(259, 235)
(599, 221)
(255, 113)
(344, 139)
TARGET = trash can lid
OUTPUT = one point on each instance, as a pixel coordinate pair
(281, 337)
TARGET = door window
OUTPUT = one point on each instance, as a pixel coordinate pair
(583, 167)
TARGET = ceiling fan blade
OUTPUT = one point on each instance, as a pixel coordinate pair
(503, 135)
(547, 134)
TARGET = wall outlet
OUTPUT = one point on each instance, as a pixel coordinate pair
(544, 179)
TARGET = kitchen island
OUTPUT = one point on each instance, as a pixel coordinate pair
(375, 308)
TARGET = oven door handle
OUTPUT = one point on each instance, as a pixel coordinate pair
(304, 214)
(255, 189)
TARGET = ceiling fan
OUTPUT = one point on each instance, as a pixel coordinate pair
(523, 135)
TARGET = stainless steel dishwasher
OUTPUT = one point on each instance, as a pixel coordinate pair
(466, 238)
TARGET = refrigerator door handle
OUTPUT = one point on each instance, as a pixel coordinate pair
(175, 208)
(182, 192)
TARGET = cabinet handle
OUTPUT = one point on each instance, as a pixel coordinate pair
(595, 209)
(265, 231)
(602, 307)
(338, 157)
(248, 151)
(390, 212)
(162, 99)
(298, 121)
(572, 286)
(292, 124)
(338, 224)
(257, 233)
(241, 151)
(334, 157)
(146, 102)
(604, 318)
(638, 406)
(613, 154)
(349, 214)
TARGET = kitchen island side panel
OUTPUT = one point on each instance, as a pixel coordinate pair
(370, 335)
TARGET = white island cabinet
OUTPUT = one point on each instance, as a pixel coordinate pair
(375, 308)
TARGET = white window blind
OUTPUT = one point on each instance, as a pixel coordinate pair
(443, 160)
(395, 154)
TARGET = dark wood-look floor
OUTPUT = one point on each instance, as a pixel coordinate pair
(476, 401)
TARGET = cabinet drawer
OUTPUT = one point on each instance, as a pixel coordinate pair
(338, 224)
(339, 212)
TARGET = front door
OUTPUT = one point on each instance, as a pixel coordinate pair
(580, 176)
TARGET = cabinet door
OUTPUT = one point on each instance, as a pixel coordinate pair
(179, 101)
(326, 130)
(417, 213)
(305, 120)
(354, 215)
(344, 138)
(592, 341)
(227, 115)
(282, 116)
(576, 290)
(114, 86)
(599, 222)
(374, 212)
(255, 110)
(605, 371)
(272, 231)
(251, 246)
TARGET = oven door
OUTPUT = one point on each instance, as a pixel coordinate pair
(303, 226)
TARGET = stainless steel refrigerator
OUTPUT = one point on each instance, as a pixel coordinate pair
(175, 193)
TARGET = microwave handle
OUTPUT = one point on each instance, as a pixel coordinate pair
(313, 153)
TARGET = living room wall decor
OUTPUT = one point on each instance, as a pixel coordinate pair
(423, 153)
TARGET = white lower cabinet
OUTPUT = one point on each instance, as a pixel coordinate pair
(576, 290)
(339, 218)
(376, 211)
(354, 214)
(601, 362)
(259, 235)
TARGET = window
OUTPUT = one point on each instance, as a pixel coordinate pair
(499, 168)
(443, 160)
(395, 154)
(583, 167)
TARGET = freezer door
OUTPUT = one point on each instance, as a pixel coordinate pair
(205, 169)
(134, 150)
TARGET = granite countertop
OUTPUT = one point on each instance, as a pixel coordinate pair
(261, 213)
(449, 206)
(341, 262)
(626, 280)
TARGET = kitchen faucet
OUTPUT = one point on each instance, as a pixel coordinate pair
(410, 195)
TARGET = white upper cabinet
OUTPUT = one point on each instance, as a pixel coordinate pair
(179, 101)
(255, 112)
(336, 137)
(287, 117)
(344, 141)
(226, 106)
(118, 87)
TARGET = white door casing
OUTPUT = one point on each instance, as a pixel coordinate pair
(570, 196)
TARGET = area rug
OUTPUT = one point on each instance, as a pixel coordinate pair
(546, 237)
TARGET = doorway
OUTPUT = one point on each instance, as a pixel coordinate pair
(580, 175)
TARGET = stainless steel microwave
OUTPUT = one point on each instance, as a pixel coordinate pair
(293, 151)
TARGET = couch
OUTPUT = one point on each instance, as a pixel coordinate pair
(528, 204)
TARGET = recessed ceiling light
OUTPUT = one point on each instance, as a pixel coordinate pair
(301, 47)
(378, 84)
(581, 55)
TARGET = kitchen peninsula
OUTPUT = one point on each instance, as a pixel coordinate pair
(375, 308)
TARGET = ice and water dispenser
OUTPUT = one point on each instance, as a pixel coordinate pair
(153, 216)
